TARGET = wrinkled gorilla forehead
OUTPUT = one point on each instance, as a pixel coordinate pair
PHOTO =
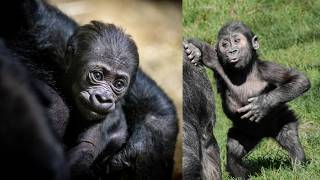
(105, 58)
(113, 53)
(104, 45)
(103, 40)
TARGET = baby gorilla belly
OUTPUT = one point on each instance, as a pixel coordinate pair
(234, 100)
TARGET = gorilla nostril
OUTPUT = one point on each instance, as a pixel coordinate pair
(233, 51)
(103, 99)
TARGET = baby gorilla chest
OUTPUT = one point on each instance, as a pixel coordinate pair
(251, 88)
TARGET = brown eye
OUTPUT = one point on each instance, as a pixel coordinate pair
(119, 84)
(97, 75)
(237, 40)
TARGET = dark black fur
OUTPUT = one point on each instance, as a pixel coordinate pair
(39, 37)
(254, 95)
(29, 147)
(201, 158)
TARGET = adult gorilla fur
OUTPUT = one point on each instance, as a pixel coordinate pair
(29, 144)
(201, 158)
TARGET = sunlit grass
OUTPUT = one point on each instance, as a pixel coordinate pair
(289, 34)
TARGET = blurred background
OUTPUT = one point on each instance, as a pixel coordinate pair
(289, 34)
(156, 28)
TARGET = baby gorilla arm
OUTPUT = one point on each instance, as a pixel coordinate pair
(201, 52)
(289, 85)
(107, 137)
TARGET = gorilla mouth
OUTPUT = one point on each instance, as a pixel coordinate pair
(234, 60)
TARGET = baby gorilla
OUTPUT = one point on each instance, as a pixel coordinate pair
(101, 61)
(253, 92)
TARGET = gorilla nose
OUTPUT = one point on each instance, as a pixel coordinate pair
(233, 52)
(103, 98)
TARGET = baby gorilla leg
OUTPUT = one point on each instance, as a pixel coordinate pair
(288, 139)
(238, 146)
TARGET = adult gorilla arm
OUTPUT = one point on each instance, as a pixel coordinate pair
(38, 31)
(29, 147)
(153, 129)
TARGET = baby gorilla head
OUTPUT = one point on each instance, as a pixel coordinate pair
(237, 45)
(101, 63)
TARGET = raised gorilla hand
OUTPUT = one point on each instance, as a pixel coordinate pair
(201, 52)
(257, 109)
(193, 52)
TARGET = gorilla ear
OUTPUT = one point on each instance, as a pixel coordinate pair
(255, 43)
(216, 47)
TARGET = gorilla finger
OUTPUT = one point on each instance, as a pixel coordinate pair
(245, 108)
(195, 60)
(191, 56)
(252, 99)
(185, 44)
(197, 53)
(119, 162)
(188, 51)
(258, 119)
(255, 107)
(252, 118)
(247, 115)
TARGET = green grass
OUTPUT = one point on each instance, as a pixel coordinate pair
(289, 34)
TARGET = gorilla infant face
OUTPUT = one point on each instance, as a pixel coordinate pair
(235, 50)
(236, 46)
(103, 64)
(100, 86)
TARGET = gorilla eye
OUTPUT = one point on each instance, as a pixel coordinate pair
(119, 84)
(224, 44)
(97, 75)
(237, 40)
